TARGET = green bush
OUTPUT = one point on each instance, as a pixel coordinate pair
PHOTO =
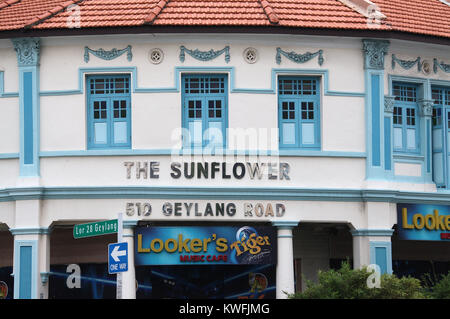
(441, 290)
(392, 287)
(347, 283)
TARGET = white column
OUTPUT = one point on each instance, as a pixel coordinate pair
(361, 253)
(129, 277)
(285, 259)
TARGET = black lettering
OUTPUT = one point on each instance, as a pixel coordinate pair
(175, 167)
(224, 171)
(208, 210)
(214, 168)
(191, 174)
(231, 209)
(202, 169)
(197, 213)
(188, 208)
(154, 169)
(220, 209)
(235, 170)
(178, 208)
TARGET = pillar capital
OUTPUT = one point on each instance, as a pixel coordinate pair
(374, 52)
(30, 231)
(372, 232)
(28, 51)
(130, 223)
(426, 107)
(285, 224)
(389, 101)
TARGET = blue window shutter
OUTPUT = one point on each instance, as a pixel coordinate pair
(109, 111)
(299, 112)
(289, 128)
(441, 136)
(205, 110)
(215, 108)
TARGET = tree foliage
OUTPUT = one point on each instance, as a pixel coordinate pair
(347, 283)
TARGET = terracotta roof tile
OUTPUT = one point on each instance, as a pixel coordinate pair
(417, 16)
(429, 17)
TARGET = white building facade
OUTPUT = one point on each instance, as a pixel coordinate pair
(320, 138)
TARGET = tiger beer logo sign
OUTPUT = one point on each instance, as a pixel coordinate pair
(205, 245)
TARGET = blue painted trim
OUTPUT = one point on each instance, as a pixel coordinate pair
(9, 156)
(132, 152)
(385, 263)
(317, 72)
(130, 224)
(17, 269)
(372, 232)
(374, 117)
(177, 79)
(408, 157)
(3, 94)
(30, 231)
(376, 125)
(428, 145)
(25, 270)
(29, 116)
(387, 144)
(235, 193)
(285, 224)
(434, 82)
(313, 153)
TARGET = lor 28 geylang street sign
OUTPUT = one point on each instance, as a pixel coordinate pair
(196, 245)
(95, 229)
(423, 222)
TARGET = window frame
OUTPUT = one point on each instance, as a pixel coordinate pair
(405, 107)
(442, 106)
(110, 120)
(299, 98)
(205, 117)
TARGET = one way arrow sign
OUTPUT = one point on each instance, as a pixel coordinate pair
(117, 258)
(116, 253)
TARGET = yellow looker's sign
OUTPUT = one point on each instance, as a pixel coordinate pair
(423, 222)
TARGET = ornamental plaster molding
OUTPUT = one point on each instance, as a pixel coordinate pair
(108, 55)
(426, 107)
(389, 101)
(406, 64)
(28, 51)
(299, 58)
(444, 67)
(374, 52)
(204, 55)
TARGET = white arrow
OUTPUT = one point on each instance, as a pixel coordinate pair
(118, 253)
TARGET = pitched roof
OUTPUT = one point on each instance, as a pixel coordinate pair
(431, 17)
(426, 17)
